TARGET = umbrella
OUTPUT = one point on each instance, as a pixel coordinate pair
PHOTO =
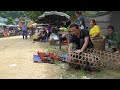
(2, 24)
(42, 19)
(34, 25)
(42, 25)
(53, 17)
(12, 25)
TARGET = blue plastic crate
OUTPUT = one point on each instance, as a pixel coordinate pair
(64, 57)
(36, 59)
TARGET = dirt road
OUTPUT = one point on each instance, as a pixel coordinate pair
(16, 60)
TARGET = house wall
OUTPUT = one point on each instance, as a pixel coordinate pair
(115, 20)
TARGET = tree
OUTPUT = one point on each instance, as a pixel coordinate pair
(9, 21)
(13, 14)
(33, 14)
(3, 15)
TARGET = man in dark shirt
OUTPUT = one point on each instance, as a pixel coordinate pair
(80, 38)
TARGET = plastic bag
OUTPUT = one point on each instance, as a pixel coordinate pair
(53, 37)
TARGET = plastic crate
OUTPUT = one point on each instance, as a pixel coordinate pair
(37, 59)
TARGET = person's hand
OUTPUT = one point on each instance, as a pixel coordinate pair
(69, 52)
(78, 51)
(117, 52)
(92, 38)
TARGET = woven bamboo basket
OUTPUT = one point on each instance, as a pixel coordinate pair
(99, 44)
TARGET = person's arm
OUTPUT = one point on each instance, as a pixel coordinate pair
(117, 38)
(86, 41)
(85, 44)
(81, 20)
(70, 48)
(70, 45)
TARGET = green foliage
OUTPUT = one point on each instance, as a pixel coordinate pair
(9, 20)
(71, 13)
(12, 14)
(3, 15)
(34, 14)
